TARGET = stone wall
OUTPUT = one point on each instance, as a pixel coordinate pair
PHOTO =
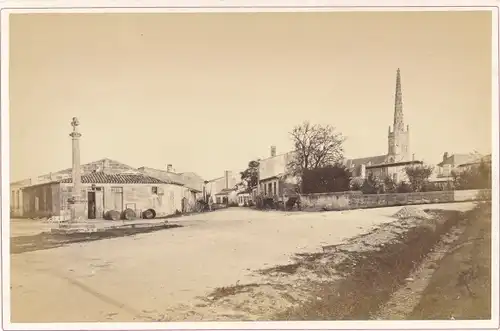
(356, 200)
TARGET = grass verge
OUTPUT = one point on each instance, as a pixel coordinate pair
(461, 286)
(369, 278)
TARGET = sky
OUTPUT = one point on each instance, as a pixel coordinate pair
(208, 92)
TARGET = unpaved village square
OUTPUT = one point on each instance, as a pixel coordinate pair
(168, 274)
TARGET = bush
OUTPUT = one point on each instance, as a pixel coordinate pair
(475, 177)
(356, 184)
(389, 185)
(371, 185)
(403, 187)
(335, 178)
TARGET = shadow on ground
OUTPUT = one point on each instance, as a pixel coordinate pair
(47, 240)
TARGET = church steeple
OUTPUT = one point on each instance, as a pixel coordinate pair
(398, 105)
(399, 138)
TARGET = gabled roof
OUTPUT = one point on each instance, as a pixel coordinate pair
(486, 159)
(162, 175)
(458, 159)
(375, 160)
(225, 191)
(246, 191)
(97, 162)
(103, 178)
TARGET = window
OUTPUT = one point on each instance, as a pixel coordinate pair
(395, 178)
(218, 200)
(154, 189)
(274, 188)
(270, 188)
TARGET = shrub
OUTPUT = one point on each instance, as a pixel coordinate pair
(356, 184)
(371, 185)
(474, 177)
(403, 187)
(335, 178)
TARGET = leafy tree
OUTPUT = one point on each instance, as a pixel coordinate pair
(315, 146)
(251, 174)
(418, 176)
(473, 177)
(332, 178)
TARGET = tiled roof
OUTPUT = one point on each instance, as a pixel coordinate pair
(458, 159)
(485, 159)
(375, 160)
(103, 178)
(226, 191)
(175, 178)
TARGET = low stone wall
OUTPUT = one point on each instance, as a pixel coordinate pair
(356, 200)
(468, 195)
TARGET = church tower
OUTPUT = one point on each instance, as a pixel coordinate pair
(399, 142)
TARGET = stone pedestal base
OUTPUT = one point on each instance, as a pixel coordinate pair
(78, 212)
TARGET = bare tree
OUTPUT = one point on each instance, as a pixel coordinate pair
(315, 146)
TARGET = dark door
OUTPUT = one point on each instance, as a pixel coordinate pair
(91, 206)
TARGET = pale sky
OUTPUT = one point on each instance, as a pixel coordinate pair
(210, 92)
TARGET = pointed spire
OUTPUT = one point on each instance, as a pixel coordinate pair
(398, 105)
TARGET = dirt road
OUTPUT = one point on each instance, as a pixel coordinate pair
(164, 274)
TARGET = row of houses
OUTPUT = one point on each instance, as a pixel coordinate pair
(456, 163)
(111, 185)
(108, 185)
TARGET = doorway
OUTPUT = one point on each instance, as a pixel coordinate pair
(91, 206)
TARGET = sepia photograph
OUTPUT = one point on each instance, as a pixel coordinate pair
(250, 165)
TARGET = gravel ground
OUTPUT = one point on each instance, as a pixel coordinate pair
(166, 275)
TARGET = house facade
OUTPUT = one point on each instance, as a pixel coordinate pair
(274, 180)
(16, 198)
(192, 184)
(225, 186)
(244, 198)
(443, 172)
(103, 192)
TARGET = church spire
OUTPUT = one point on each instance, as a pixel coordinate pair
(398, 106)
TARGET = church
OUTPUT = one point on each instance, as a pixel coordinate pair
(273, 170)
(398, 155)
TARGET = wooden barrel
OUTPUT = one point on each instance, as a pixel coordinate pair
(128, 214)
(112, 215)
(149, 214)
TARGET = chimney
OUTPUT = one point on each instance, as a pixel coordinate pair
(169, 168)
(105, 166)
(413, 157)
(227, 175)
(273, 151)
(445, 156)
(363, 171)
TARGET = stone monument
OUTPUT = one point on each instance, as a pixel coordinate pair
(77, 202)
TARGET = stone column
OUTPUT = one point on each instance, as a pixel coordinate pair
(77, 207)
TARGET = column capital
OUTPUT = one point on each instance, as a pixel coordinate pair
(75, 134)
